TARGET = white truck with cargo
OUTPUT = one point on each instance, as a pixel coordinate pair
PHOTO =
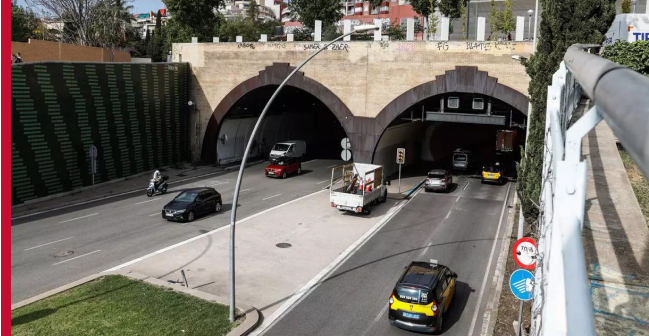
(357, 187)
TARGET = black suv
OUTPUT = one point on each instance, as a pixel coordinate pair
(192, 203)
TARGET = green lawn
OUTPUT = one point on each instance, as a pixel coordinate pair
(639, 183)
(117, 305)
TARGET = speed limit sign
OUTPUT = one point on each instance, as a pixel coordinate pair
(525, 253)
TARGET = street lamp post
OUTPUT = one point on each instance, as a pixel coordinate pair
(536, 18)
(529, 23)
(235, 201)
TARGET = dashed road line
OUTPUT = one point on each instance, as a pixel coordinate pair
(82, 217)
(77, 257)
(56, 241)
(271, 197)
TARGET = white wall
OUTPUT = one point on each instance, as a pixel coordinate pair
(406, 136)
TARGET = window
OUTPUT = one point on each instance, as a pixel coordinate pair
(444, 281)
(478, 104)
(453, 102)
(208, 194)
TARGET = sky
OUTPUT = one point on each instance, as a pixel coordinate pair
(139, 6)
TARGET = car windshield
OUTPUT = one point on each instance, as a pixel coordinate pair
(279, 161)
(281, 147)
(186, 196)
(460, 157)
(491, 169)
(435, 176)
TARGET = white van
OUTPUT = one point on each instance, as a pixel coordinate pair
(291, 148)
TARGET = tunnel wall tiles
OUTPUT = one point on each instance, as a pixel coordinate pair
(135, 114)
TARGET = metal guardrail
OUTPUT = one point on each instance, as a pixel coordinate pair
(562, 301)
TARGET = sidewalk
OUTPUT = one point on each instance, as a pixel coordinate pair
(114, 188)
(615, 240)
(268, 272)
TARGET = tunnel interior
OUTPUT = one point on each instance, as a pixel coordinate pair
(294, 115)
(434, 128)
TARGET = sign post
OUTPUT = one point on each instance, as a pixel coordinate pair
(401, 158)
(525, 257)
(93, 162)
(346, 154)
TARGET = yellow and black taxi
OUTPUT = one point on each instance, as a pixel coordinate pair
(421, 297)
(493, 173)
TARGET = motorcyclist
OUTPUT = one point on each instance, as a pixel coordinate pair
(157, 177)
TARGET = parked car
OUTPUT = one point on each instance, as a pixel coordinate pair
(291, 148)
(284, 166)
(421, 297)
(438, 179)
(192, 203)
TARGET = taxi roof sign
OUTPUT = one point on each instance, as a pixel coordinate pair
(434, 262)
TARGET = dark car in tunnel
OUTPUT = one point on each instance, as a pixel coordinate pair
(192, 203)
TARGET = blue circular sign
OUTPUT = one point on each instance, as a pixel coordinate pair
(521, 283)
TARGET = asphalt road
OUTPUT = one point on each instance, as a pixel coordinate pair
(458, 229)
(105, 234)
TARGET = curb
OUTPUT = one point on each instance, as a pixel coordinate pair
(413, 189)
(251, 315)
(35, 211)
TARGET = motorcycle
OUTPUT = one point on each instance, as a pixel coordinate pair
(162, 188)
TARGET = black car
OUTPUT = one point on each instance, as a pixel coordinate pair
(192, 203)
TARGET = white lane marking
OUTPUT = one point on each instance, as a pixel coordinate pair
(378, 317)
(321, 182)
(448, 214)
(77, 257)
(467, 184)
(240, 191)
(82, 217)
(129, 263)
(220, 183)
(309, 161)
(332, 166)
(294, 300)
(263, 199)
(56, 241)
(152, 200)
(491, 255)
(457, 199)
(155, 214)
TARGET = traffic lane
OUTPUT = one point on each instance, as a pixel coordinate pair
(129, 234)
(353, 301)
(254, 182)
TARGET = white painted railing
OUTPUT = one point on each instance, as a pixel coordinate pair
(562, 301)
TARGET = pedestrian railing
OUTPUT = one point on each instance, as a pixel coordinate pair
(562, 300)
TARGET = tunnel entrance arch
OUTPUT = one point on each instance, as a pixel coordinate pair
(270, 77)
(462, 81)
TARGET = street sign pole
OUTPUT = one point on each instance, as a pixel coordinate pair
(93, 162)
(399, 178)
(525, 256)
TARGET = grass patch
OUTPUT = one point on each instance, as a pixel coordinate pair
(117, 305)
(639, 183)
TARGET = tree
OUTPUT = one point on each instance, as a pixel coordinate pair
(626, 6)
(425, 8)
(158, 53)
(463, 17)
(376, 4)
(507, 22)
(23, 23)
(395, 31)
(494, 20)
(563, 23)
(453, 9)
(308, 11)
(193, 18)
(633, 55)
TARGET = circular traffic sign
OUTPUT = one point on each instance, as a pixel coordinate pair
(346, 155)
(521, 283)
(345, 143)
(525, 252)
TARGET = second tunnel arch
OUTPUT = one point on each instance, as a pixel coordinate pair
(462, 79)
(271, 76)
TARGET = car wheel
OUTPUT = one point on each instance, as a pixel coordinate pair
(190, 216)
(149, 192)
(383, 198)
(164, 190)
(217, 207)
(284, 175)
(299, 170)
(367, 209)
